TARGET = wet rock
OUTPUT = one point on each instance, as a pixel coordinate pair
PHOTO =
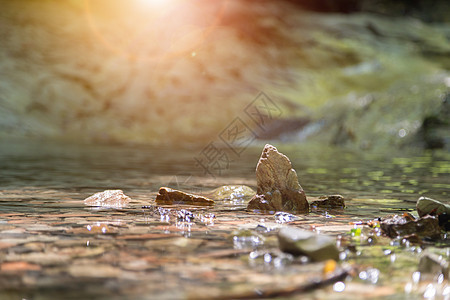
(330, 201)
(232, 193)
(301, 242)
(170, 196)
(278, 186)
(108, 199)
(428, 206)
(404, 226)
(434, 264)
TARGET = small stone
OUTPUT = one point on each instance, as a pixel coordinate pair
(278, 188)
(170, 196)
(108, 199)
(428, 206)
(301, 242)
(330, 201)
(403, 226)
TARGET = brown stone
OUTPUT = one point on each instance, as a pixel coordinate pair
(278, 188)
(330, 201)
(170, 196)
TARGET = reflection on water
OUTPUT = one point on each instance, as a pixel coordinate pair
(47, 234)
(398, 174)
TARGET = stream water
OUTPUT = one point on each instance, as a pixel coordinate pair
(53, 247)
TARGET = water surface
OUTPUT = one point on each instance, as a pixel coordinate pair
(52, 246)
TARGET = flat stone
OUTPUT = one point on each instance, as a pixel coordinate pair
(301, 242)
(170, 196)
(428, 206)
(108, 199)
(278, 188)
(330, 201)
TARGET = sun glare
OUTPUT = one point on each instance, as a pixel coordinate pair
(180, 27)
(154, 2)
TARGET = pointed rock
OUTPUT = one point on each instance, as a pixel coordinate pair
(278, 187)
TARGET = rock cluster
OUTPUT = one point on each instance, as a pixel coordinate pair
(278, 188)
(407, 227)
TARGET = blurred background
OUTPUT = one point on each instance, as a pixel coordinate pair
(365, 74)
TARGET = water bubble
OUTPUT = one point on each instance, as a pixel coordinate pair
(89, 227)
(339, 286)
(207, 218)
(243, 242)
(343, 255)
(402, 133)
(275, 259)
(363, 275)
(393, 258)
(387, 252)
(446, 292)
(304, 259)
(328, 216)
(253, 255)
(408, 288)
(185, 215)
(416, 277)
(283, 217)
(430, 291)
(371, 275)
(103, 230)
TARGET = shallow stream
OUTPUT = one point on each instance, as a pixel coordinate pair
(54, 247)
